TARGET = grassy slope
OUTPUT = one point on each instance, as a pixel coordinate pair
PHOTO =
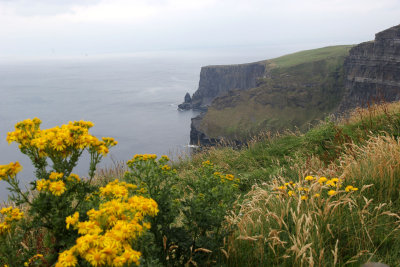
(348, 148)
(363, 149)
(266, 156)
(300, 88)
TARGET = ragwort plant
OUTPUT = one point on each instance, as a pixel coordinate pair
(106, 238)
(189, 228)
(155, 178)
(56, 192)
(209, 196)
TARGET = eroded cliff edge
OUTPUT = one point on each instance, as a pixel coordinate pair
(217, 80)
(294, 90)
(372, 70)
(290, 92)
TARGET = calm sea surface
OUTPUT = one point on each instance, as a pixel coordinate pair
(132, 98)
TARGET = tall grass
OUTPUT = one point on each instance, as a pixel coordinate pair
(346, 229)
(377, 163)
(269, 228)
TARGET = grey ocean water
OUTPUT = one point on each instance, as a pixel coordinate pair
(132, 98)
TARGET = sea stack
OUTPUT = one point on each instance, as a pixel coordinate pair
(187, 104)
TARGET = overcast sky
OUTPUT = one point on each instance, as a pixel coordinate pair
(76, 27)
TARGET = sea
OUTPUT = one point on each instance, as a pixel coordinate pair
(131, 97)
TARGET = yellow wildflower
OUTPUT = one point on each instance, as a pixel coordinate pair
(109, 141)
(95, 257)
(56, 175)
(348, 188)
(9, 170)
(4, 228)
(57, 188)
(309, 178)
(72, 220)
(67, 259)
(206, 163)
(229, 177)
(322, 180)
(73, 178)
(165, 168)
(332, 192)
(331, 183)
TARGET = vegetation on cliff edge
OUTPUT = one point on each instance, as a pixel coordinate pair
(327, 197)
(297, 90)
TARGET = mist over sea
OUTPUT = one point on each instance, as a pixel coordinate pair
(132, 98)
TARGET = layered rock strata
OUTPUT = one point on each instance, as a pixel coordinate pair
(217, 80)
(371, 73)
(372, 70)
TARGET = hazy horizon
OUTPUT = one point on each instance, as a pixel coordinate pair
(54, 29)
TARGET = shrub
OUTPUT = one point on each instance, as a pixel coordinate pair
(189, 228)
(56, 192)
(107, 235)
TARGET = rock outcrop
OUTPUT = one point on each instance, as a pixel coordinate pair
(372, 70)
(296, 89)
(217, 80)
(293, 91)
(196, 136)
(187, 103)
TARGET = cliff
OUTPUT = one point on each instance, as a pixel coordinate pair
(217, 80)
(293, 91)
(372, 70)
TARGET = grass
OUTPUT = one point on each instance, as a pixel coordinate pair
(267, 226)
(299, 89)
(361, 149)
(269, 155)
(310, 55)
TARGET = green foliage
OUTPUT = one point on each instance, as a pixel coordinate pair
(189, 227)
(209, 196)
(55, 193)
(155, 179)
(298, 90)
(206, 217)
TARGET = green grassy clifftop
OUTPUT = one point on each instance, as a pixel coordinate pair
(297, 89)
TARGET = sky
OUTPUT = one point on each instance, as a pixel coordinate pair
(79, 27)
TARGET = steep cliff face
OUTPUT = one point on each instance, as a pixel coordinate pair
(372, 70)
(296, 90)
(217, 80)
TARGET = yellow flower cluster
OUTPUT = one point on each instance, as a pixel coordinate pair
(9, 215)
(165, 157)
(33, 259)
(56, 184)
(63, 140)
(314, 187)
(207, 163)
(9, 170)
(142, 157)
(72, 220)
(226, 177)
(117, 189)
(106, 237)
(165, 168)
